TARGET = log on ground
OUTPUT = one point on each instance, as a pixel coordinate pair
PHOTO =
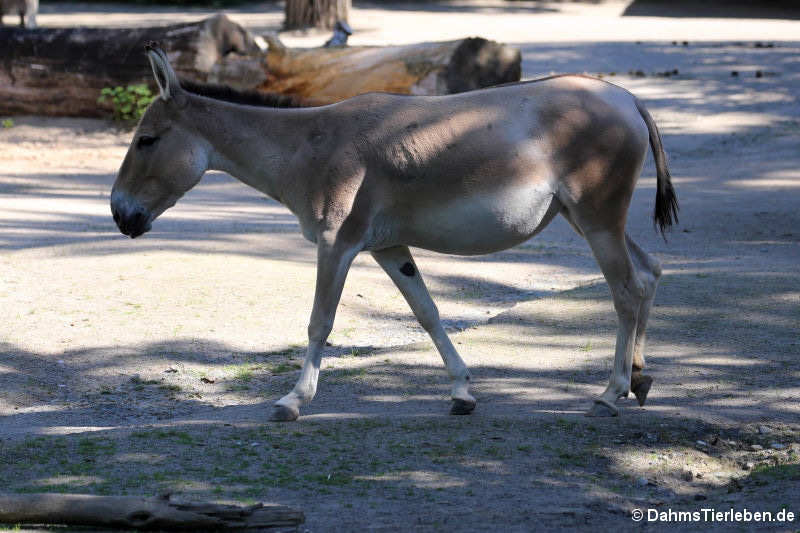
(61, 71)
(331, 74)
(159, 513)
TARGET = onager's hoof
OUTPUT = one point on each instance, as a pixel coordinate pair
(462, 407)
(602, 408)
(640, 386)
(281, 413)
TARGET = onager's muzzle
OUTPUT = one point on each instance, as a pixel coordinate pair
(131, 217)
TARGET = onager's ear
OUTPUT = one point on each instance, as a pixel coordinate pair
(166, 78)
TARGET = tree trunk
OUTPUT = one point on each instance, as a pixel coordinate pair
(61, 71)
(315, 13)
(161, 513)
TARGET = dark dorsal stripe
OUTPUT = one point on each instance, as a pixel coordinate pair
(244, 97)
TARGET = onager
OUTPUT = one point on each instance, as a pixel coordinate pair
(23, 8)
(471, 173)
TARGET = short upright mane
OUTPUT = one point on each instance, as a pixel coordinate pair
(236, 96)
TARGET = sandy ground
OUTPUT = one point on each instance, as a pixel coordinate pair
(150, 365)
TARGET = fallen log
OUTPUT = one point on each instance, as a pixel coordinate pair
(160, 513)
(61, 71)
(332, 74)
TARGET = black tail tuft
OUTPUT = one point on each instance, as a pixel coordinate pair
(665, 213)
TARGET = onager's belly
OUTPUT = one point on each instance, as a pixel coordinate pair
(483, 222)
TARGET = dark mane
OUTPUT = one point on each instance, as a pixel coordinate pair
(236, 96)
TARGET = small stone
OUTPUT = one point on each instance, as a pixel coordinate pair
(748, 465)
(687, 475)
(702, 443)
(699, 475)
(777, 446)
(734, 73)
(642, 481)
(764, 430)
(756, 447)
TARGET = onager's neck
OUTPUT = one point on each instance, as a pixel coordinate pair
(252, 144)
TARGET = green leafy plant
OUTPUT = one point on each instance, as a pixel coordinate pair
(129, 103)
(8, 123)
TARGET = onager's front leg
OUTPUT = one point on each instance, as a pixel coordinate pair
(399, 265)
(333, 262)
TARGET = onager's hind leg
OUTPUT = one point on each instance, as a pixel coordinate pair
(629, 293)
(649, 272)
(399, 265)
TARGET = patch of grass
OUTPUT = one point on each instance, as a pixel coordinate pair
(181, 437)
(347, 373)
(7, 123)
(332, 479)
(242, 372)
(495, 452)
(89, 446)
(764, 474)
(283, 368)
(574, 459)
(367, 424)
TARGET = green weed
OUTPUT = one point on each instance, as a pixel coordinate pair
(128, 103)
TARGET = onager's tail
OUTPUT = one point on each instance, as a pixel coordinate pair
(666, 210)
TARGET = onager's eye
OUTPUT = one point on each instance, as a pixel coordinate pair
(145, 140)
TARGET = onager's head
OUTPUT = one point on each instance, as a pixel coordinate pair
(165, 159)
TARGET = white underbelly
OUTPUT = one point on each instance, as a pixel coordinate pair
(483, 222)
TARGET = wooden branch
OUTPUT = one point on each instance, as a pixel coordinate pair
(162, 513)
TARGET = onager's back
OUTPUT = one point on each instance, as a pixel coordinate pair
(464, 158)
(464, 174)
(25, 9)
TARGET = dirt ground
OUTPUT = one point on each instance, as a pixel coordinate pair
(139, 367)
